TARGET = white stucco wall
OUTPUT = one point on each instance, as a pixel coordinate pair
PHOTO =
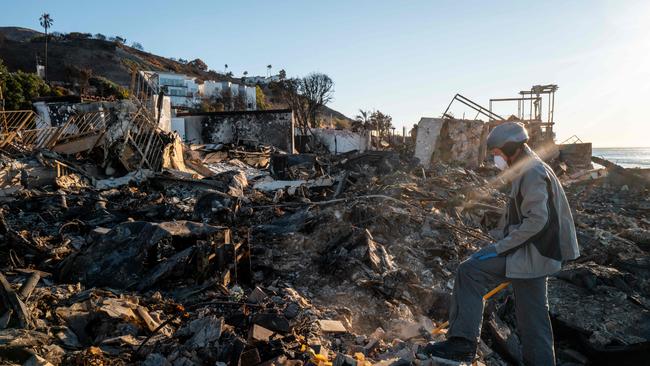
(178, 125)
(165, 121)
(211, 88)
(192, 86)
(193, 129)
(251, 98)
(342, 141)
(451, 140)
(425, 144)
(44, 113)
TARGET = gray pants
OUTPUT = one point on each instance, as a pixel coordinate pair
(474, 279)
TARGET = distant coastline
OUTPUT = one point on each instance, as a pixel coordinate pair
(627, 157)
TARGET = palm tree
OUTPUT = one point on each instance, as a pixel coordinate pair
(226, 68)
(46, 22)
(268, 67)
(362, 120)
(245, 73)
(381, 122)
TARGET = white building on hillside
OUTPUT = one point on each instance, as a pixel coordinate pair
(182, 89)
(262, 80)
(215, 89)
(185, 92)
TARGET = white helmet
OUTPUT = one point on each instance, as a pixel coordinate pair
(508, 132)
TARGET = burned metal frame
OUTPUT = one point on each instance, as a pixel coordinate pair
(534, 100)
(13, 122)
(144, 138)
(22, 128)
(83, 131)
(534, 97)
(26, 130)
(472, 104)
(520, 104)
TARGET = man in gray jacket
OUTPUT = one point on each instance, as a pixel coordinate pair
(536, 234)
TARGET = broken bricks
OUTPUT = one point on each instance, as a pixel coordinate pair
(331, 326)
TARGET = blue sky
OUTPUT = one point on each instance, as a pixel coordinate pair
(405, 58)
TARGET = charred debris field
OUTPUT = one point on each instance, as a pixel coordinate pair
(239, 254)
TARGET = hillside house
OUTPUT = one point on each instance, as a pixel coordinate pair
(215, 89)
(262, 80)
(185, 92)
(182, 90)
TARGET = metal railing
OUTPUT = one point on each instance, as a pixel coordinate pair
(82, 125)
(145, 139)
(36, 138)
(25, 129)
(143, 92)
(63, 169)
(13, 122)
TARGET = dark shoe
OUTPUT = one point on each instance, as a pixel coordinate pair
(454, 348)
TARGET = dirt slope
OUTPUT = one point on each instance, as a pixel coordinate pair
(19, 48)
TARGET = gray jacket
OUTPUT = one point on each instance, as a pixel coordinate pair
(537, 231)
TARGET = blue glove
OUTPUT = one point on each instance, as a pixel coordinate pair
(486, 253)
(485, 256)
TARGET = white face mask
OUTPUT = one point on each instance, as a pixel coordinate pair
(500, 162)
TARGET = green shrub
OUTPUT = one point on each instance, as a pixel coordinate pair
(20, 88)
(260, 99)
(107, 88)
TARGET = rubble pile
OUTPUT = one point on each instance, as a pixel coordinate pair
(244, 255)
(154, 269)
(612, 276)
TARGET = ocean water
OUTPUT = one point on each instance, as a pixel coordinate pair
(627, 157)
